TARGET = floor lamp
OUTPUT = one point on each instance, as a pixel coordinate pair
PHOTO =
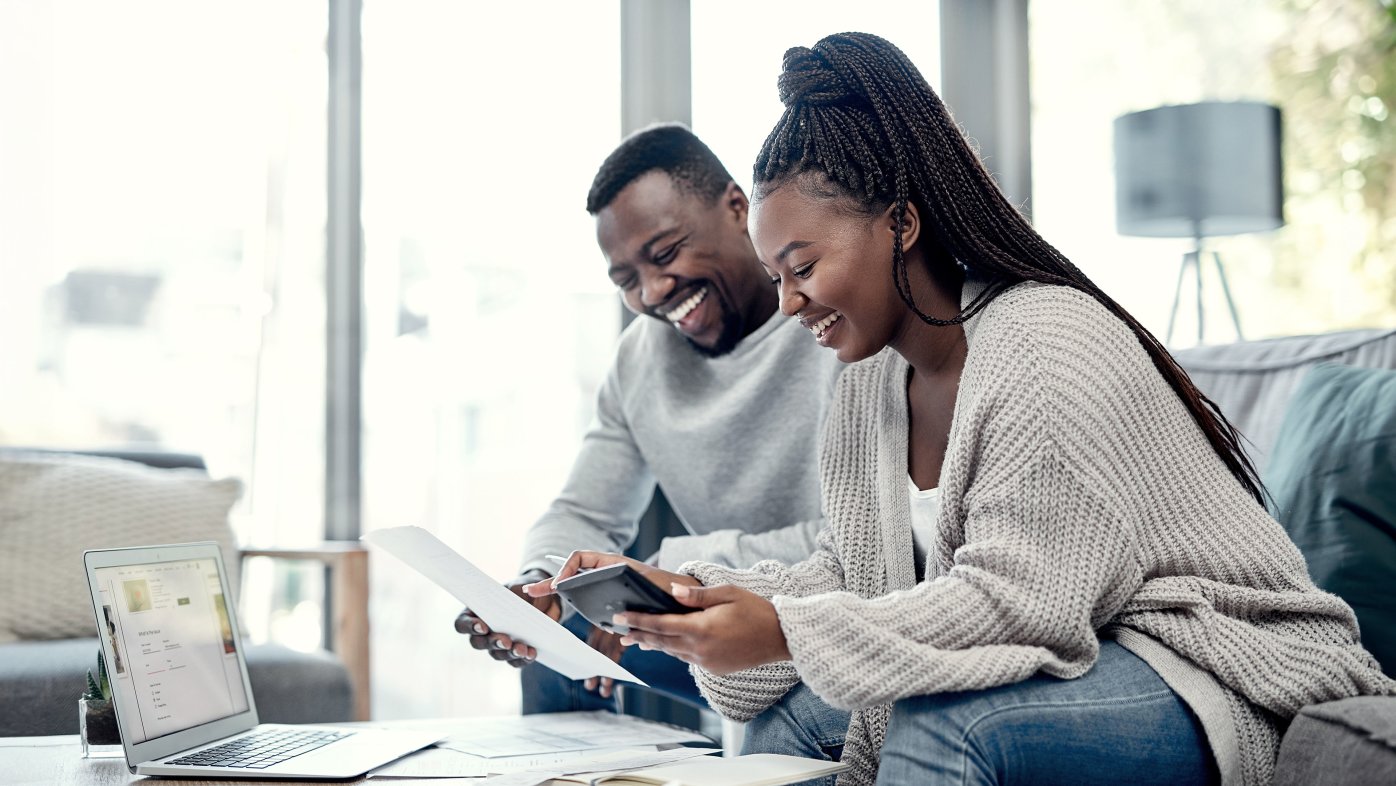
(1199, 171)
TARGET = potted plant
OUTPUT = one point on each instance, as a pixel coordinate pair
(96, 716)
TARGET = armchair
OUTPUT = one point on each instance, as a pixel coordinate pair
(44, 656)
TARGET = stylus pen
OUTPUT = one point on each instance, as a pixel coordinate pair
(562, 561)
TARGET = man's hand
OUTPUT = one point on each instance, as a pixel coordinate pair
(607, 644)
(500, 646)
(736, 629)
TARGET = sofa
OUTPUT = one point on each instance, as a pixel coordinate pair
(55, 504)
(1325, 446)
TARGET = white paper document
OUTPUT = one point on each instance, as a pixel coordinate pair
(434, 763)
(444, 763)
(521, 779)
(626, 760)
(500, 608)
(558, 733)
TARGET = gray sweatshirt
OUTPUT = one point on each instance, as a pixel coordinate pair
(732, 441)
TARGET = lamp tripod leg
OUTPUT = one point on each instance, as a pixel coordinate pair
(1231, 304)
(1197, 266)
(1177, 292)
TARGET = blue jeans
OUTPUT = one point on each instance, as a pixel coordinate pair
(800, 724)
(544, 690)
(1118, 723)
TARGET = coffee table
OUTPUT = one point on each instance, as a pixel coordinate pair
(57, 761)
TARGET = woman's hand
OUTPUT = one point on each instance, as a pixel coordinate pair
(735, 630)
(579, 561)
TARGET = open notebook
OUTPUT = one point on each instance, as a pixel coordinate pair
(756, 769)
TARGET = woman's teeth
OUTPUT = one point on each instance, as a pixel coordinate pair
(683, 309)
(822, 326)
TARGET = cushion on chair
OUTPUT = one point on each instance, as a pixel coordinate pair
(1340, 743)
(55, 506)
(1333, 478)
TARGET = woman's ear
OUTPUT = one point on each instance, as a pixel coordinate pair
(911, 224)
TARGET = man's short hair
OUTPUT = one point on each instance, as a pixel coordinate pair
(670, 148)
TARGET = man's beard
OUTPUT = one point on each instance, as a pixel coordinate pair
(727, 338)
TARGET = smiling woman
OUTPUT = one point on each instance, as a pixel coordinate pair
(1097, 555)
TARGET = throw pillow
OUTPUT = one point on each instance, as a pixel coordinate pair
(1333, 477)
(55, 506)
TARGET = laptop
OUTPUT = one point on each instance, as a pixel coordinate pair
(169, 633)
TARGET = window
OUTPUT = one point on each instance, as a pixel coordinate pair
(737, 50)
(161, 239)
(1321, 62)
(490, 320)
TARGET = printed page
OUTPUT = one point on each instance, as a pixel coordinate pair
(757, 769)
(434, 763)
(444, 763)
(492, 602)
(558, 733)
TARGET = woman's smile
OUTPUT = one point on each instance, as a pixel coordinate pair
(824, 327)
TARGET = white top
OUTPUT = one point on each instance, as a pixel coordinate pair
(925, 507)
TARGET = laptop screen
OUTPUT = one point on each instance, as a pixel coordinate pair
(176, 663)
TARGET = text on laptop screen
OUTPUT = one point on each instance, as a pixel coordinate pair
(175, 661)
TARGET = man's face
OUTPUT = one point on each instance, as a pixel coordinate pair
(686, 260)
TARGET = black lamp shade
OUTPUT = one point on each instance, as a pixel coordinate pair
(1198, 170)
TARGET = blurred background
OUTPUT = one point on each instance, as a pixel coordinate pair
(171, 175)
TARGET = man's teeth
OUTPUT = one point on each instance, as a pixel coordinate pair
(822, 326)
(682, 310)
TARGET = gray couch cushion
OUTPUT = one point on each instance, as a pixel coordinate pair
(1332, 475)
(55, 506)
(41, 681)
(1349, 742)
(1252, 381)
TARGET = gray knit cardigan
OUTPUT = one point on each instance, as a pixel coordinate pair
(1079, 499)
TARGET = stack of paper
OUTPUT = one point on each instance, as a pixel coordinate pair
(758, 769)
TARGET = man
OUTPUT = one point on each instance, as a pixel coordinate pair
(717, 398)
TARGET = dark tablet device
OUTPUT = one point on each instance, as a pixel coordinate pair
(598, 594)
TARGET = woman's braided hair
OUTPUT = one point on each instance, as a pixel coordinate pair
(859, 116)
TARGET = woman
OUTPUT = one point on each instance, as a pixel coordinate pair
(1046, 558)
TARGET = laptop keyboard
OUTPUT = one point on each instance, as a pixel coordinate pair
(262, 749)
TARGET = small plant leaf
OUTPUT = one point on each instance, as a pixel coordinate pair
(93, 692)
(103, 681)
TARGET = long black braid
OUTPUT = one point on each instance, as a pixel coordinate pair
(861, 115)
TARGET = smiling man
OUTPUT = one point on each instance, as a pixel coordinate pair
(716, 398)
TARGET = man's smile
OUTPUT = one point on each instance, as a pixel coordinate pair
(686, 306)
(689, 314)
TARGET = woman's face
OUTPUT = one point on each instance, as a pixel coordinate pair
(833, 268)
